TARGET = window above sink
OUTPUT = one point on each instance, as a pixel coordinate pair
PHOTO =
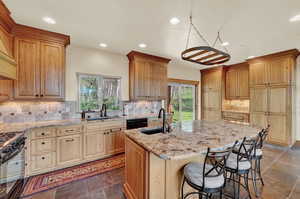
(95, 90)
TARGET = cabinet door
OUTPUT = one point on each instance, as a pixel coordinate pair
(243, 83)
(279, 71)
(278, 100)
(211, 100)
(259, 99)
(259, 119)
(52, 71)
(94, 145)
(141, 75)
(211, 80)
(211, 115)
(27, 54)
(114, 142)
(69, 149)
(5, 90)
(258, 74)
(231, 84)
(279, 130)
(162, 81)
(42, 162)
(136, 170)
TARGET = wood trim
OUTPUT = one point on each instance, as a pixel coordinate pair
(293, 52)
(5, 19)
(35, 33)
(236, 65)
(134, 54)
(212, 69)
(182, 81)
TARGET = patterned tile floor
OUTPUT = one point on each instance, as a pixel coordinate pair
(281, 172)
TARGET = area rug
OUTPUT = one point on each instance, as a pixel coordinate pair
(57, 178)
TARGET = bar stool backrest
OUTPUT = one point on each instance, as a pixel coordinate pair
(247, 149)
(262, 137)
(215, 161)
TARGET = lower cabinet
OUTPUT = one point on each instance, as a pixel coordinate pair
(40, 163)
(69, 149)
(53, 148)
(94, 145)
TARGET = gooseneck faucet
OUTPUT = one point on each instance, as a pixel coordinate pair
(163, 112)
(104, 107)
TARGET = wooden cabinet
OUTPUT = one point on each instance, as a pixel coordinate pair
(6, 87)
(69, 149)
(271, 98)
(147, 76)
(211, 93)
(94, 145)
(114, 141)
(136, 171)
(235, 116)
(40, 70)
(237, 81)
(40, 163)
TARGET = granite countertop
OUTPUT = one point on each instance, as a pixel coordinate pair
(192, 138)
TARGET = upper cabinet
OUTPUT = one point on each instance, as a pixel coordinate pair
(147, 76)
(275, 69)
(237, 81)
(41, 66)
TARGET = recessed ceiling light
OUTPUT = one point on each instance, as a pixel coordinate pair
(226, 43)
(142, 45)
(49, 20)
(295, 18)
(174, 21)
(250, 57)
(103, 45)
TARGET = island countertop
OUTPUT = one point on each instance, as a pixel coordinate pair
(192, 138)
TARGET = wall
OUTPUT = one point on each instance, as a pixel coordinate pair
(85, 60)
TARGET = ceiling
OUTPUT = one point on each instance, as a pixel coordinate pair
(253, 28)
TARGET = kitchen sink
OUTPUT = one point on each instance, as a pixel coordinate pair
(101, 118)
(151, 131)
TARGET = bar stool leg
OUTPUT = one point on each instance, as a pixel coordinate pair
(221, 194)
(239, 183)
(246, 176)
(259, 173)
(253, 174)
(182, 195)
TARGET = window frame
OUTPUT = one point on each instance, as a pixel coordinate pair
(78, 74)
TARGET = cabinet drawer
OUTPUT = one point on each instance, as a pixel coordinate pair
(69, 130)
(43, 133)
(96, 126)
(41, 162)
(43, 145)
(241, 117)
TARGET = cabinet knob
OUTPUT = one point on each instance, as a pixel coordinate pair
(43, 142)
(43, 158)
(43, 134)
(37, 95)
(42, 95)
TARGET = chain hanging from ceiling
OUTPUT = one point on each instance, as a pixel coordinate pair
(205, 55)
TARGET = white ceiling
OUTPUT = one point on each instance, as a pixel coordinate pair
(252, 27)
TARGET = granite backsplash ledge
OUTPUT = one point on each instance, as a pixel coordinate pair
(24, 111)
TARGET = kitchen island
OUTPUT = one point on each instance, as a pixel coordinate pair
(154, 162)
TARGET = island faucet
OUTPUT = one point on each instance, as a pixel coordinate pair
(163, 111)
(103, 114)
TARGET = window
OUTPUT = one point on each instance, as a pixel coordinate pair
(182, 98)
(94, 90)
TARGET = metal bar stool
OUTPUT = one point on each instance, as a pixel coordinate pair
(256, 158)
(239, 165)
(208, 177)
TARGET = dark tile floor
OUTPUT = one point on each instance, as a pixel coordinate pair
(281, 172)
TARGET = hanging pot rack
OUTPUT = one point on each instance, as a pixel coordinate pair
(205, 55)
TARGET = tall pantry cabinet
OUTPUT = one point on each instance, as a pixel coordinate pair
(271, 95)
(211, 100)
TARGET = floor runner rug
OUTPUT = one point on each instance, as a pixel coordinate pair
(57, 178)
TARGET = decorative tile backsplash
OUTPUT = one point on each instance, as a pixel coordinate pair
(41, 111)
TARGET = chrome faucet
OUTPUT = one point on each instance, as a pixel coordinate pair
(103, 114)
(163, 111)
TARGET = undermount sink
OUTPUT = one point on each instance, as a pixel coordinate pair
(151, 131)
(101, 118)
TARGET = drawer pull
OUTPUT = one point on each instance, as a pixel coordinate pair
(43, 142)
(43, 158)
(17, 163)
(70, 130)
(42, 134)
(70, 140)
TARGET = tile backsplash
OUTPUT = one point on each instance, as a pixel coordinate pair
(41, 111)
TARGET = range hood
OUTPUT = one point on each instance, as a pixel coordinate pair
(8, 66)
